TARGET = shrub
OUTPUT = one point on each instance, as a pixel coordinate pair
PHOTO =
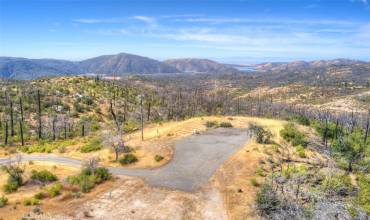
(262, 136)
(260, 171)
(93, 145)
(54, 190)
(31, 202)
(39, 195)
(211, 124)
(328, 129)
(363, 196)
(301, 119)
(130, 126)
(11, 186)
(43, 176)
(3, 201)
(158, 158)
(291, 134)
(86, 183)
(267, 200)
(337, 184)
(87, 179)
(102, 174)
(301, 151)
(62, 149)
(226, 125)
(128, 159)
(254, 182)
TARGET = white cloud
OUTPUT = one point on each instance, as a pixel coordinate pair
(146, 19)
(221, 20)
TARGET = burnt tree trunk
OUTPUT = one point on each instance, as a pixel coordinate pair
(39, 114)
(21, 131)
(12, 132)
(6, 133)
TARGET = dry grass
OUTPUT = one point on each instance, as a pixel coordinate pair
(15, 208)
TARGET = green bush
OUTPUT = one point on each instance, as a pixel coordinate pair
(301, 119)
(43, 176)
(102, 174)
(363, 196)
(226, 125)
(211, 124)
(39, 195)
(3, 201)
(267, 200)
(31, 202)
(87, 183)
(262, 136)
(254, 182)
(158, 158)
(87, 179)
(93, 145)
(54, 190)
(337, 184)
(11, 186)
(328, 129)
(301, 151)
(291, 134)
(130, 126)
(128, 159)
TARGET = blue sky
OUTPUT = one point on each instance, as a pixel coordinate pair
(235, 31)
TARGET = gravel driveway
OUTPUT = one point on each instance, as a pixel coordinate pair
(196, 158)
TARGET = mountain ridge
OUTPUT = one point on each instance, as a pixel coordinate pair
(117, 64)
(121, 64)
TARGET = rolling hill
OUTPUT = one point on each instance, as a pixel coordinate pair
(200, 66)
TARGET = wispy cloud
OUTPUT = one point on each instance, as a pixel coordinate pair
(221, 20)
(248, 35)
(148, 20)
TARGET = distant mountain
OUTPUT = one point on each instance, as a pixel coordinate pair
(125, 64)
(22, 68)
(200, 66)
(303, 65)
(322, 71)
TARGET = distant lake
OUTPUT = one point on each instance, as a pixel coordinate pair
(245, 68)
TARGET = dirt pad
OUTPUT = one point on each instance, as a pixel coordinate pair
(195, 160)
(133, 199)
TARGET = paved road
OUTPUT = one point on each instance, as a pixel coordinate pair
(196, 158)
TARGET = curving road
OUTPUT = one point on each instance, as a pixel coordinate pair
(196, 158)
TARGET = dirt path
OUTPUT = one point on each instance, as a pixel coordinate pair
(196, 158)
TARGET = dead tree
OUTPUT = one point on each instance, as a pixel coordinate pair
(6, 133)
(367, 127)
(12, 132)
(21, 131)
(39, 114)
(142, 117)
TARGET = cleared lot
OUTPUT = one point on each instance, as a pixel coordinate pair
(196, 158)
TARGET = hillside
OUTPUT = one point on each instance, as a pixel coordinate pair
(26, 69)
(124, 63)
(199, 66)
